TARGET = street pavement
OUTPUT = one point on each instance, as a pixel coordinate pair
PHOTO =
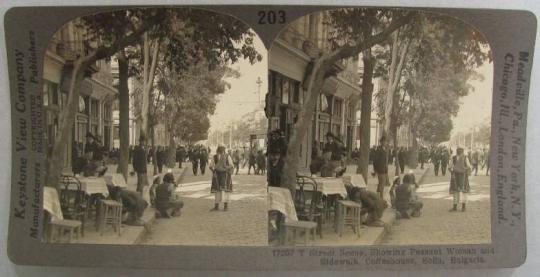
(439, 226)
(244, 224)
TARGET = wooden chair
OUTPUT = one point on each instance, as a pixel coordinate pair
(297, 228)
(308, 201)
(73, 200)
(58, 229)
(348, 214)
(110, 213)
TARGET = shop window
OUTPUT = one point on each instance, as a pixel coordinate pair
(326, 103)
(50, 93)
(285, 91)
(94, 109)
(338, 107)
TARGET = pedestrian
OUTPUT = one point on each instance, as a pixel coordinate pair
(180, 156)
(436, 160)
(445, 158)
(459, 181)
(380, 166)
(243, 158)
(261, 163)
(194, 158)
(139, 164)
(221, 165)
(422, 157)
(165, 198)
(203, 159)
(252, 161)
(160, 158)
(236, 161)
(475, 159)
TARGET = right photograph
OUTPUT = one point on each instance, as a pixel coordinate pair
(379, 127)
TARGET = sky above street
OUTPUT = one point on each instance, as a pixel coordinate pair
(242, 97)
(475, 108)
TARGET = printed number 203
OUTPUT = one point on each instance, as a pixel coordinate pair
(271, 17)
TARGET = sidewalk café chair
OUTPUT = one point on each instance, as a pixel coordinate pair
(73, 200)
(308, 201)
(55, 229)
(307, 228)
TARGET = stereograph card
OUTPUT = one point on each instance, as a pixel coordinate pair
(268, 137)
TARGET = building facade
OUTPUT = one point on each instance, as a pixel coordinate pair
(97, 93)
(289, 57)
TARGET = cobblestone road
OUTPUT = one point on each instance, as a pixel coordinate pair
(439, 226)
(244, 224)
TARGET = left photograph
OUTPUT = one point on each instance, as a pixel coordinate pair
(155, 130)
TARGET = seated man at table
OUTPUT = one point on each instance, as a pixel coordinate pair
(165, 198)
(372, 203)
(133, 204)
(406, 202)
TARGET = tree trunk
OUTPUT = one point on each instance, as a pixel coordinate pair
(398, 56)
(123, 103)
(314, 84)
(171, 155)
(393, 138)
(413, 153)
(149, 70)
(365, 113)
(154, 150)
(66, 121)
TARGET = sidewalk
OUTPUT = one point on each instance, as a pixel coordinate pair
(368, 235)
(129, 234)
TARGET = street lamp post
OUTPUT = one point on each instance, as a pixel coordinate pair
(230, 136)
(259, 83)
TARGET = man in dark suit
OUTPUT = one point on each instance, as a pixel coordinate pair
(139, 164)
(380, 166)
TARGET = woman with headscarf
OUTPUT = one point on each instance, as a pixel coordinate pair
(222, 166)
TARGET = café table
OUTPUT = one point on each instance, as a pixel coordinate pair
(115, 179)
(331, 186)
(94, 185)
(280, 199)
(51, 203)
(332, 189)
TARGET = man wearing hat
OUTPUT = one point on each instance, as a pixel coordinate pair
(275, 168)
(332, 164)
(91, 147)
(93, 157)
(139, 164)
(380, 166)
